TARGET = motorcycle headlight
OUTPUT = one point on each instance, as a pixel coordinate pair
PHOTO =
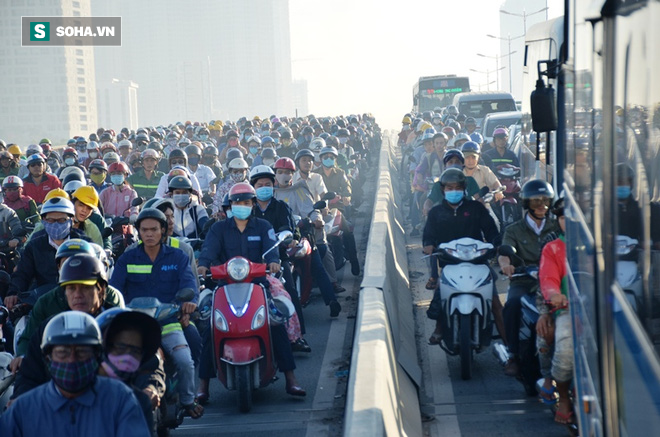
(220, 321)
(259, 318)
(238, 268)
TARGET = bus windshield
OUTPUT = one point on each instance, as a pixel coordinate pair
(439, 91)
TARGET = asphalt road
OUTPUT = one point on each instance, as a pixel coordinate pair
(323, 372)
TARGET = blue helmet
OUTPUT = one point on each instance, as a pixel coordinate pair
(477, 137)
(471, 147)
(452, 153)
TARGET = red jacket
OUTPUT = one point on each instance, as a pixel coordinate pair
(552, 269)
(38, 192)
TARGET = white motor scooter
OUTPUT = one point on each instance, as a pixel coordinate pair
(466, 292)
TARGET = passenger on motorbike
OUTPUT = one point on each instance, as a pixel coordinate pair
(8, 167)
(86, 202)
(525, 236)
(482, 174)
(38, 183)
(456, 217)
(71, 350)
(238, 172)
(189, 215)
(249, 236)
(117, 199)
(178, 160)
(145, 180)
(305, 164)
(98, 173)
(24, 207)
(204, 174)
(155, 269)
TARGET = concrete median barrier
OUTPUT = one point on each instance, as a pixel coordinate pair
(382, 394)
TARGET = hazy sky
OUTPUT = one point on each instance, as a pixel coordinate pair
(365, 55)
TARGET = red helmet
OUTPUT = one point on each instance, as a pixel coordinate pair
(241, 191)
(118, 167)
(99, 164)
(69, 151)
(286, 163)
(449, 131)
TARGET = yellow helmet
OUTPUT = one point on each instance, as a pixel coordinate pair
(87, 195)
(256, 118)
(56, 192)
(423, 125)
(406, 120)
(14, 150)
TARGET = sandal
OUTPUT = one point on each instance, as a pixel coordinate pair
(194, 410)
(548, 397)
(432, 284)
(435, 339)
(202, 398)
(564, 418)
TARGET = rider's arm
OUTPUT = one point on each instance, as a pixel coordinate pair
(487, 224)
(186, 275)
(119, 274)
(25, 272)
(33, 368)
(552, 270)
(212, 248)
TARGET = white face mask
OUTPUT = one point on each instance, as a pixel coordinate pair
(283, 179)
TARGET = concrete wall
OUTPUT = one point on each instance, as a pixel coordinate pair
(382, 394)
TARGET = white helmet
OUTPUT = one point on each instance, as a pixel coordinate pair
(238, 164)
(280, 309)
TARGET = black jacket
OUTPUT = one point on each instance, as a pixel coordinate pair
(471, 219)
(280, 217)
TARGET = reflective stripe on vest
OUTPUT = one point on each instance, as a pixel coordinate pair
(139, 268)
(171, 327)
(174, 242)
(152, 187)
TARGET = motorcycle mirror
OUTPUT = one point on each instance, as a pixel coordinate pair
(484, 190)
(283, 236)
(185, 295)
(107, 232)
(137, 201)
(320, 204)
(506, 250)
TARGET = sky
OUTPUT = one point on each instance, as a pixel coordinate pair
(365, 55)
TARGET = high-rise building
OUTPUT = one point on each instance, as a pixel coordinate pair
(516, 16)
(46, 91)
(201, 60)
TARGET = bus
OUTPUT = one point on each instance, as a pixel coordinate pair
(607, 135)
(431, 92)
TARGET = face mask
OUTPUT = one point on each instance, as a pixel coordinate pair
(74, 377)
(209, 160)
(57, 231)
(406, 127)
(329, 162)
(203, 137)
(343, 140)
(193, 160)
(120, 366)
(93, 155)
(286, 142)
(98, 179)
(254, 150)
(269, 162)
(12, 196)
(117, 179)
(283, 179)
(623, 192)
(172, 142)
(237, 177)
(229, 213)
(181, 200)
(70, 161)
(264, 193)
(454, 196)
(241, 212)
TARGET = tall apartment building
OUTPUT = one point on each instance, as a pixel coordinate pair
(45, 91)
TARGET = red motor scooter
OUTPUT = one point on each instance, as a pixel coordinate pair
(242, 315)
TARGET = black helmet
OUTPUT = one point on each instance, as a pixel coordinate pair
(536, 188)
(73, 176)
(343, 133)
(451, 153)
(180, 183)
(233, 153)
(453, 175)
(155, 145)
(210, 150)
(71, 327)
(82, 268)
(303, 152)
(178, 153)
(193, 150)
(114, 320)
(151, 213)
(225, 201)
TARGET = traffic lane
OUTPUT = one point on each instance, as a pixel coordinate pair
(489, 404)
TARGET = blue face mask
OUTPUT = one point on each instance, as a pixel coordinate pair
(117, 179)
(623, 191)
(264, 193)
(193, 160)
(229, 213)
(254, 150)
(241, 212)
(58, 231)
(203, 137)
(328, 162)
(454, 196)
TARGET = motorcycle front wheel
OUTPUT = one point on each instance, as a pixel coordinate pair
(465, 339)
(244, 386)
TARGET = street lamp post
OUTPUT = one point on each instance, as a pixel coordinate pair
(524, 15)
(487, 73)
(497, 63)
(508, 39)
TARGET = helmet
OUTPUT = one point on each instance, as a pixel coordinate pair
(151, 213)
(118, 167)
(233, 154)
(178, 153)
(180, 183)
(328, 149)
(317, 144)
(342, 133)
(461, 137)
(99, 164)
(86, 195)
(451, 153)
(150, 153)
(453, 175)
(155, 145)
(231, 133)
(406, 120)
(422, 126)
(261, 171)
(12, 182)
(286, 133)
(33, 159)
(140, 138)
(82, 268)
(111, 157)
(14, 150)
(92, 145)
(72, 247)
(536, 188)
(500, 132)
(332, 141)
(238, 164)
(192, 150)
(56, 192)
(285, 163)
(113, 320)
(44, 141)
(441, 135)
(72, 186)
(125, 143)
(254, 139)
(105, 147)
(32, 149)
(71, 327)
(280, 309)
(429, 134)
(304, 152)
(159, 203)
(184, 142)
(58, 204)
(210, 150)
(72, 173)
(449, 131)
(241, 191)
(70, 151)
(307, 130)
(452, 110)
(471, 147)
(266, 140)
(477, 137)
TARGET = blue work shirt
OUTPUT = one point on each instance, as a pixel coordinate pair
(224, 241)
(136, 276)
(108, 409)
